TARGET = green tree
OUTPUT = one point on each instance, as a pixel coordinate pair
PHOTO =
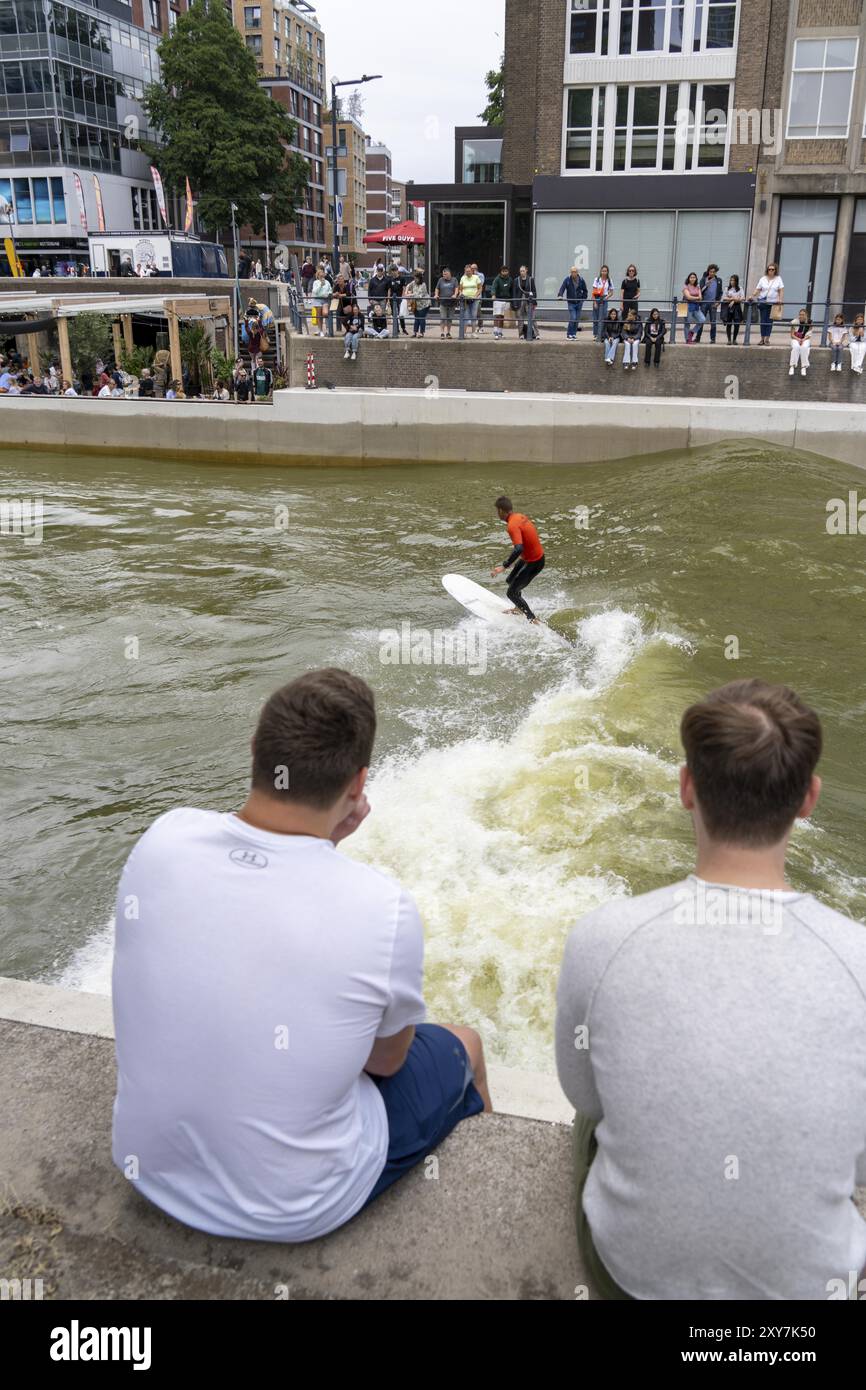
(218, 127)
(89, 338)
(494, 111)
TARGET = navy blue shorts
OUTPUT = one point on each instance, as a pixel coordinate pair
(430, 1094)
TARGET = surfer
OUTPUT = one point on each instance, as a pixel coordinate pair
(528, 554)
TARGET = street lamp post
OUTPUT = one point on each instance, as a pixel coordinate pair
(236, 250)
(376, 76)
(266, 198)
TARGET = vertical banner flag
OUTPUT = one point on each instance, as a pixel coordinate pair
(100, 212)
(187, 221)
(81, 209)
(160, 193)
(420, 211)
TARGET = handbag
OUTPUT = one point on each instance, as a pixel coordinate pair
(265, 343)
(776, 312)
(682, 310)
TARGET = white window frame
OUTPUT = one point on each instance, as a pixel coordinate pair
(607, 133)
(614, 24)
(707, 5)
(795, 71)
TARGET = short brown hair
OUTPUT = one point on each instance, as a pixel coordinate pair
(503, 504)
(751, 748)
(313, 736)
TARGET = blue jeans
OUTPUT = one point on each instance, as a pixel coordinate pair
(696, 316)
(352, 342)
(599, 309)
(421, 321)
(764, 309)
(575, 309)
(470, 312)
(711, 309)
(610, 347)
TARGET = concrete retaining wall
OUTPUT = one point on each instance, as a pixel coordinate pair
(370, 427)
(704, 371)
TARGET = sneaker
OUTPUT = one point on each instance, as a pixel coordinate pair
(790, 371)
(802, 371)
(346, 355)
(354, 356)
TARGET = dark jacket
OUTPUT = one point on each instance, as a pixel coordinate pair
(573, 289)
(503, 287)
(712, 298)
(654, 329)
(378, 287)
(395, 287)
(632, 329)
(613, 328)
(524, 289)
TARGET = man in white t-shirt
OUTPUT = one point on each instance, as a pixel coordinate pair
(275, 1072)
(712, 1038)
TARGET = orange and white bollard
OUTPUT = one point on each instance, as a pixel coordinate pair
(311, 372)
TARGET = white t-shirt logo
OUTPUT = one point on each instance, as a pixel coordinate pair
(250, 858)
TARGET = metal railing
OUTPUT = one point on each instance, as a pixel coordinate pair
(532, 317)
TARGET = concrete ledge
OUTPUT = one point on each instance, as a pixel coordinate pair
(494, 1221)
(529, 1094)
(376, 426)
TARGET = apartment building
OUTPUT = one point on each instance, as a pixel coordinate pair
(351, 182)
(288, 43)
(620, 116)
(72, 80)
(810, 209)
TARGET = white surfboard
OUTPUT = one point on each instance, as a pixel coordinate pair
(492, 608)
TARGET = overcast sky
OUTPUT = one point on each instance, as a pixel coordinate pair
(420, 100)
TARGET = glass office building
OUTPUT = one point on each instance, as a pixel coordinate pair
(72, 81)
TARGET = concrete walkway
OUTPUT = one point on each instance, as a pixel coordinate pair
(496, 1221)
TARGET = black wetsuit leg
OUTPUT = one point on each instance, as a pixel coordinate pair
(520, 576)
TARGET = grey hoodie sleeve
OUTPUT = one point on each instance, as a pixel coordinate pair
(577, 978)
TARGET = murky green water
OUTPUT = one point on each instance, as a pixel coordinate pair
(509, 800)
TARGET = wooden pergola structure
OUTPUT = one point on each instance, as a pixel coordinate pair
(120, 309)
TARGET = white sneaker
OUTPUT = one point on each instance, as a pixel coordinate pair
(790, 371)
(346, 355)
(802, 371)
(354, 356)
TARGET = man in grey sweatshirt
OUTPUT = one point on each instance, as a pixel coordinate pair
(711, 1036)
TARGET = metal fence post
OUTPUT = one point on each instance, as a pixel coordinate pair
(461, 326)
(826, 328)
(673, 321)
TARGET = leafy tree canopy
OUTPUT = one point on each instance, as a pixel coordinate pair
(218, 127)
(494, 111)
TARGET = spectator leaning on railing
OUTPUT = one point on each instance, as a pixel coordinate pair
(470, 296)
(711, 286)
(574, 289)
(693, 298)
(732, 308)
(770, 294)
(445, 296)
(502, 290)
(601, 292)
(525, 305)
